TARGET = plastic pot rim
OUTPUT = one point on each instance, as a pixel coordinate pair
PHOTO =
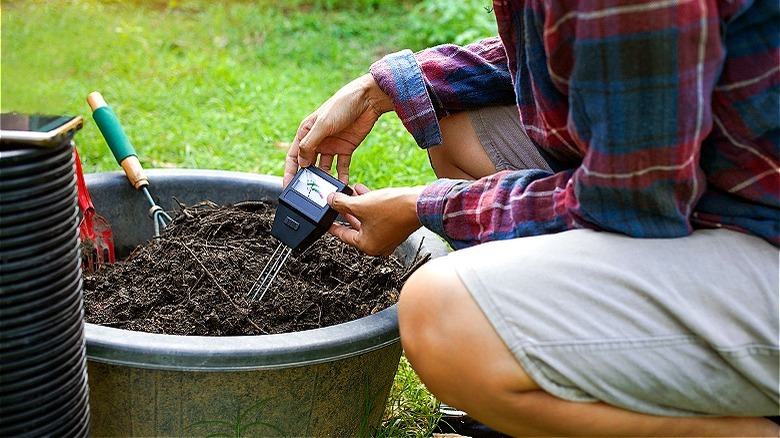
(242, 353)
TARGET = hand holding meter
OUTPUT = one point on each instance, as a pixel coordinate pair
(302, 216)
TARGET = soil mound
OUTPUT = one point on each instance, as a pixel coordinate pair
(195, 278)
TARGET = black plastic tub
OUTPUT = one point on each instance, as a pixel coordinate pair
(331, 381)
(43, 380)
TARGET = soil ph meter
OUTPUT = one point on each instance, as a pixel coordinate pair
(302, 216)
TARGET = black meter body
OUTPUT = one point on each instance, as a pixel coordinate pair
(303, 214)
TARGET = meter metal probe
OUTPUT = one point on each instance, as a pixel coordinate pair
(302, 216)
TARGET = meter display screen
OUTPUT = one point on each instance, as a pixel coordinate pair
(303, 214)
(314, 187)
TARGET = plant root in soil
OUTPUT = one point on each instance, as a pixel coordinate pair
(194, 279)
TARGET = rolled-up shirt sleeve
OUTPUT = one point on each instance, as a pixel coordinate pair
(400, 76)
(433, 83)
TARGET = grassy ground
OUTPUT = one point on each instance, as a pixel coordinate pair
(218, 85)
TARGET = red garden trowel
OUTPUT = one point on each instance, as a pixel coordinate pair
(94, 230)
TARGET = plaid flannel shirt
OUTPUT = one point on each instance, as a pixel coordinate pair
(658, 117)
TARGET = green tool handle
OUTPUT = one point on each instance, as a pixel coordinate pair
(117, 140)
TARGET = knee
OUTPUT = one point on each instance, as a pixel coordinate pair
(426, 314)
(446, 336)
(424, 310)
(418, 315)
(460, 155)
(442, 157)
(417, 309)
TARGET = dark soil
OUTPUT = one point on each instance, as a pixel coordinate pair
(195, 279)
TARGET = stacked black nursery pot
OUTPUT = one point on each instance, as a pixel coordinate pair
(43, 380)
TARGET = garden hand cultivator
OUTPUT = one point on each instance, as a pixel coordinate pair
(125, 155)
(94, 230)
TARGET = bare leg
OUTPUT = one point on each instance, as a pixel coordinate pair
(461, 154)
(464, 363)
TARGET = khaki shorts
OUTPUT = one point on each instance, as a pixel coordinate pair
(507, 145)
(678, 327)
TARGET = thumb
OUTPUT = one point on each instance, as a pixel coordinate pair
(305, 156)
(340, 202)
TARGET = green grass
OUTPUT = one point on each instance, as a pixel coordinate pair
(216, 85)
(411, 410)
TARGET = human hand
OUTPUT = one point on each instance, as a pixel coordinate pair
(379, 220)
(336, 128)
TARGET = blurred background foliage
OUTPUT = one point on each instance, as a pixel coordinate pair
(460, 22)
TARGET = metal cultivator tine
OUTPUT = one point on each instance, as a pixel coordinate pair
(160, 218)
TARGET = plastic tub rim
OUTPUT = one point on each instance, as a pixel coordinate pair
(243, 353)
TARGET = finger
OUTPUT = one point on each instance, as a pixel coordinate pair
(342, 168)
(326, 162)
(290, 164)
(344, 210)
(341, 203)
(308, 144)
(345, 234)
(360, 189)
(352, 220)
